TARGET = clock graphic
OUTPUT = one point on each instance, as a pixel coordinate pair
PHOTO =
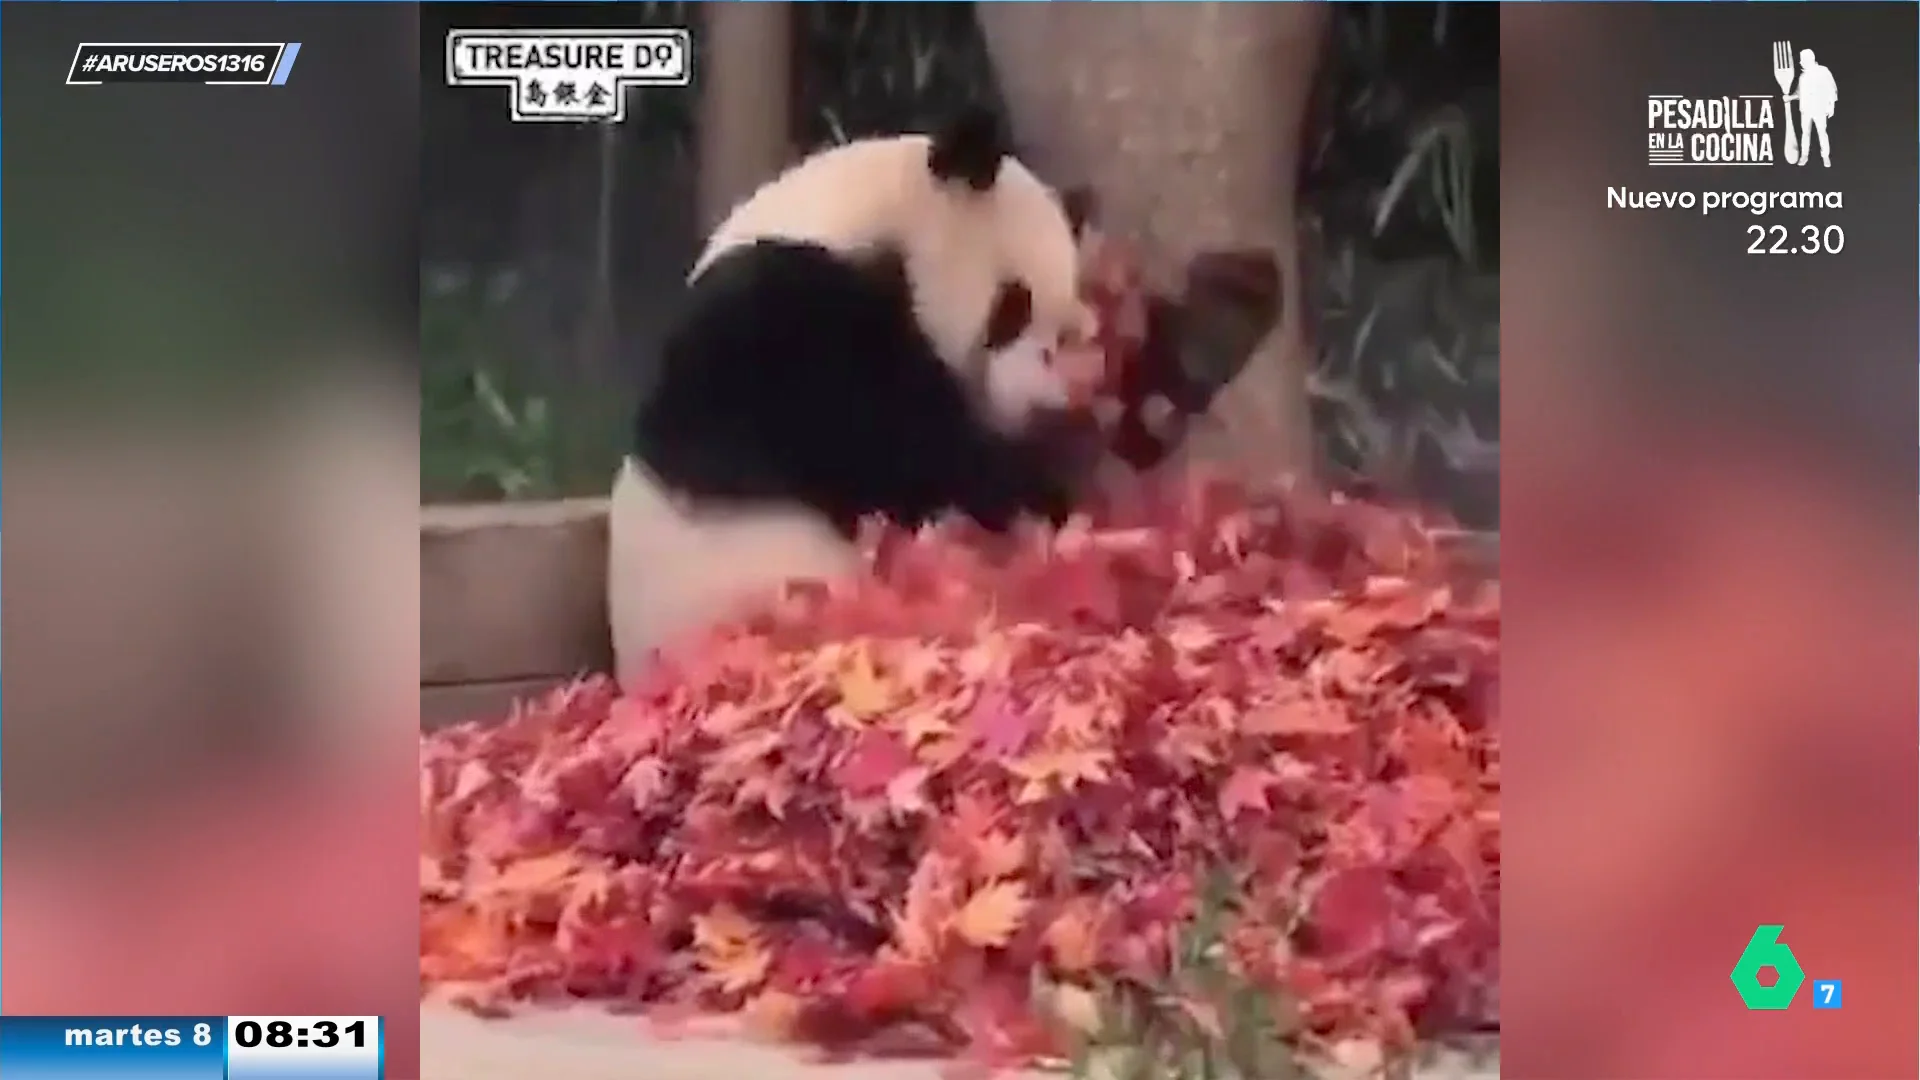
(305, 1048)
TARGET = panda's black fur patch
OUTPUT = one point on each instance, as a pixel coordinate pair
(969, 149)
(795, 375)
(1010, 316)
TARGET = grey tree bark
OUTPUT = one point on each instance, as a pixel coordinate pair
(1187, 120)
(746, 90)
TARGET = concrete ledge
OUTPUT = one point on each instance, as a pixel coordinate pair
(444, 706)
(512, 591)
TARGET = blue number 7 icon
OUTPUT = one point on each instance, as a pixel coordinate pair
(1826, 993)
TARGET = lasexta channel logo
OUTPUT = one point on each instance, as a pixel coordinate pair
(1765, 950)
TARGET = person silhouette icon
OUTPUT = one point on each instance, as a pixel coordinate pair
(1817, 96)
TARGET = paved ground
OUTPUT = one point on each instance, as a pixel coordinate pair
(589, 1046)
(583, 1045)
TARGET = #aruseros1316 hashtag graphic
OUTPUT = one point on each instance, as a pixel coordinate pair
(224, 64)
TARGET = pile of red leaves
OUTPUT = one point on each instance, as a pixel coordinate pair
(892, 809)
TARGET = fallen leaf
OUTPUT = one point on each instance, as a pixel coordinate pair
(1002, 728)
(434, 881)
(906, 793)
(645, 782)
(991, 917)
(1076, 721)
(1247, 790)
(862, 692)
(1072, 940)
(541, 874)
(473, 776)
(1299, 716)
(1055, 771)
(878, 759)
(731, 950)
(723, 929)
(924, 725)
(998, 855)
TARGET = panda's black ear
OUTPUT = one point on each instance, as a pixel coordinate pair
(969, 148)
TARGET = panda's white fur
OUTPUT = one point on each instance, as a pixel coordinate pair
(847, 346)
(673, 568)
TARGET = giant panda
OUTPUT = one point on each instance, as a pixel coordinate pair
(869, 333)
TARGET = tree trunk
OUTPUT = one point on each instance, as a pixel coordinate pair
(1186, 120)
(745, 101)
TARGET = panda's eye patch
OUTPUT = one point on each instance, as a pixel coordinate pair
(1012, 313)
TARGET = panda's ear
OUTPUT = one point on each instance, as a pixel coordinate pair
(969, 149)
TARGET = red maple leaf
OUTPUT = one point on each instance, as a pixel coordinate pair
(1246, 790)
(1002, 727)
(875, 761)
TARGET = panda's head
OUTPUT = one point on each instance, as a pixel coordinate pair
(986, 252)
(994, 263)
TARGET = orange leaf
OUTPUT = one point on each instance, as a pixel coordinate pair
(998, 855)
(928, 903)
(730, 949)
(740, 971)
(1076, 720)
(863, 694)
(1064, 769)
(723, 929)
(922, 725)
(462, 945)
(540, 875)
(1300, 716)
(991, 917)
(1072, 939)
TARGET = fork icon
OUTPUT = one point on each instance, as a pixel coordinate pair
(1783, 74)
